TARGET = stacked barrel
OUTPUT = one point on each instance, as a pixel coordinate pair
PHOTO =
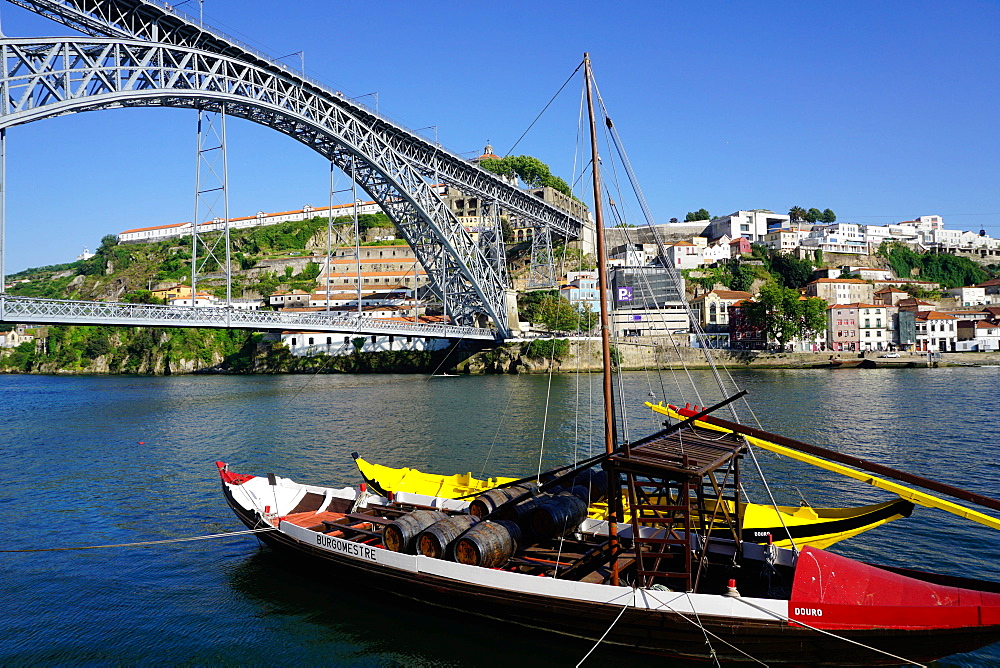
(500, 522)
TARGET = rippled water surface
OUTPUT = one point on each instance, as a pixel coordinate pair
(103, 460)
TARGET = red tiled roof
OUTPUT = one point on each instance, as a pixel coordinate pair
(933, 315)
(155, 227)
(839, 280)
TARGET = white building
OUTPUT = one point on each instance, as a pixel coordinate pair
(969, 296)
(987, 338)
(869, 273)
(751, 225)
(684, 255)
(307, 344)
(936, 332)
(837, 238)
(201, 299)
(260, 219)
(784, 240)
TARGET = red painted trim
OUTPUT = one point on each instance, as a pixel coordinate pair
(833, 592)
(229, 477)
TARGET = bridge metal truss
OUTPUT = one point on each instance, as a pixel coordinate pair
(159, 22)
(148, 20)
(52, 76)
(59, 311)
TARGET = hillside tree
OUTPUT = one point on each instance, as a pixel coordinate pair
(783, 315)
(700, 214)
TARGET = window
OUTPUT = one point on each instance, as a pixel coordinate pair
(329, 340)
(293, 340)
(310, 340)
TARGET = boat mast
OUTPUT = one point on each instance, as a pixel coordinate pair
(602, 282)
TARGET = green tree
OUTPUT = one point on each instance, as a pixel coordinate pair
(541, 349)
(813, 215)
(812, 317)
(700, 214)
(533, 172)
(783, 315)
(559, 314)
(828, 216)
(742, 276)
(789, 271)
(140, 297)
(797, 213)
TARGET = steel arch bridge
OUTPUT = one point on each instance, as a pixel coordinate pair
(52, 77)
(155, 56)
(152, 21)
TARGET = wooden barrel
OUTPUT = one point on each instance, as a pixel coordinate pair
(400, 535)
(435, 540)
(490, 500)
(522, 511)
(596, 483)
(487, 544)
(558, 516)
(520, 536)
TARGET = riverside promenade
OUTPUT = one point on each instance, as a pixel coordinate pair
(584, 356)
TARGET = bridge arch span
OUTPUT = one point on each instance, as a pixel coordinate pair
(55, 76)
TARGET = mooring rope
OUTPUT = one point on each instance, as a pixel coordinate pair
(147, 543)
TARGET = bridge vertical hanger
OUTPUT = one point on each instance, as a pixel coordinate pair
(329, 234)
(3, 210)
(491, 240)
(541, 274)
(357, 228)
(211, 196)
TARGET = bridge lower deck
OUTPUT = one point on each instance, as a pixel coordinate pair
(66, 312)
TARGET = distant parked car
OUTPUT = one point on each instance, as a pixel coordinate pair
(889, 355)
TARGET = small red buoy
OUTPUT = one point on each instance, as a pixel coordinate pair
(142, 442)
(364, 487)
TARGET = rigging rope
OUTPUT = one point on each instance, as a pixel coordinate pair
(601, 639)
(147, 543)
(829, 633)
(568, 79)
(650, 594)
(613, 139)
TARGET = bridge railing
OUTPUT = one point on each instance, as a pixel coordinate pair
(30, 309)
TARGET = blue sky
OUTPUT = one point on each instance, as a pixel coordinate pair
(881, 111)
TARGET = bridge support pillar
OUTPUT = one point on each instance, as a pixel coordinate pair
(513, 317)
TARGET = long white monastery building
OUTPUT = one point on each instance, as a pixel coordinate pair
(260, 219)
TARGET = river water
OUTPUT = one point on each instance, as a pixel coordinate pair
(106, 460)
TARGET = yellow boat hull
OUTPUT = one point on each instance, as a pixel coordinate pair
(818, 527)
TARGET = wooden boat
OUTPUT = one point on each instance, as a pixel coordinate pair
(676, 580)
(784, 526)
(810, 608)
